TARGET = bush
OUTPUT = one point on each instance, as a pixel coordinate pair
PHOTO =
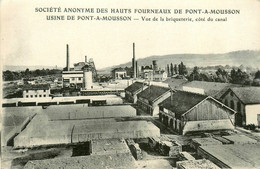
(250, 127)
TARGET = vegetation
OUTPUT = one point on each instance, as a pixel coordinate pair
(180, 69)
(12, 75)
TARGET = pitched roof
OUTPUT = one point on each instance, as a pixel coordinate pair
(153, 92)
(175, 83)
(248, 95)
(133, 88)
(182, 102)
(36, 87)
(214, 89)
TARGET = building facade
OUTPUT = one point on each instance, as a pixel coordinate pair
(187, 112)
(134, 89)
(148, 99)
(246, 102)
(119, 73)
(36, 91)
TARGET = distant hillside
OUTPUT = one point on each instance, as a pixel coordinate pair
(248, 58)
(23, 68)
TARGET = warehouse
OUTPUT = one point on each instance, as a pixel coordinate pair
(246, 101)
(190, 112)
(132, 91)
(149, 99)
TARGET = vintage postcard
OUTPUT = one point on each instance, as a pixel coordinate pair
(130, 84)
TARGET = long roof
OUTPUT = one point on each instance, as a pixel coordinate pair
(248, 95)
(180, 102)
(214, 89)
(153, 92)
(133, 88)
(175, 83)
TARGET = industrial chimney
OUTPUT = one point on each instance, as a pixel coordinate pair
(68, 58)
(133, 61)
(86, 59)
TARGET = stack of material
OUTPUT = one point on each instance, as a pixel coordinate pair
(135, 149)
(171, 149)
(240, 139)
(186, 156)
(189, 164)
(196, 142)
(232, 155)
(116, 161)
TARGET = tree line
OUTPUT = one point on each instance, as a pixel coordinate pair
(235, 76)
(13, 75)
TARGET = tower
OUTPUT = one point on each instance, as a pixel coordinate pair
(68, 58)
(133, 62)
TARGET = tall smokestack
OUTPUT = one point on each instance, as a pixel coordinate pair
(134, 63)
(68, 58)
(86, 59)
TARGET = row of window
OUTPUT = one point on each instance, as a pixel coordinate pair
(74, 78)
(35, 91)
(31, 96)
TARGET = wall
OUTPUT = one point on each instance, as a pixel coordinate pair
(208, 110)
(240, 116)
(36, 93)
(207, 125)
(251, 114)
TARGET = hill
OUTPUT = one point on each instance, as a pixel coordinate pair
(249, 58)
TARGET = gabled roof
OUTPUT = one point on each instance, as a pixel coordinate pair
(248, 95)
(136, 86)
(214, 89)
(153, 92)
(182, 102)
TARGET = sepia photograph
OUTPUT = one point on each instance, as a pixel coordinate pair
(171, 84)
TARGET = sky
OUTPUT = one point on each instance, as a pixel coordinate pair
(27, 38)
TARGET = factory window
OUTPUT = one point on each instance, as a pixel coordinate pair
(31, 96)
(44, 90)
(73, 78)
(26, 91)
(36, 95)
(226, 102)
(232, 104)
(79, 78)
(44, 95)
(27, 96)
(40, 95)
(238, 106)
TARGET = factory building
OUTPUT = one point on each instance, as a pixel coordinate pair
(190, 112)
(153, 72)
(246, 101)
(119, 73)
(81, 75)
(148, 99)
(132, 91)
(36, 91)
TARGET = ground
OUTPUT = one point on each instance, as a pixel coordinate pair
(150, 159)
